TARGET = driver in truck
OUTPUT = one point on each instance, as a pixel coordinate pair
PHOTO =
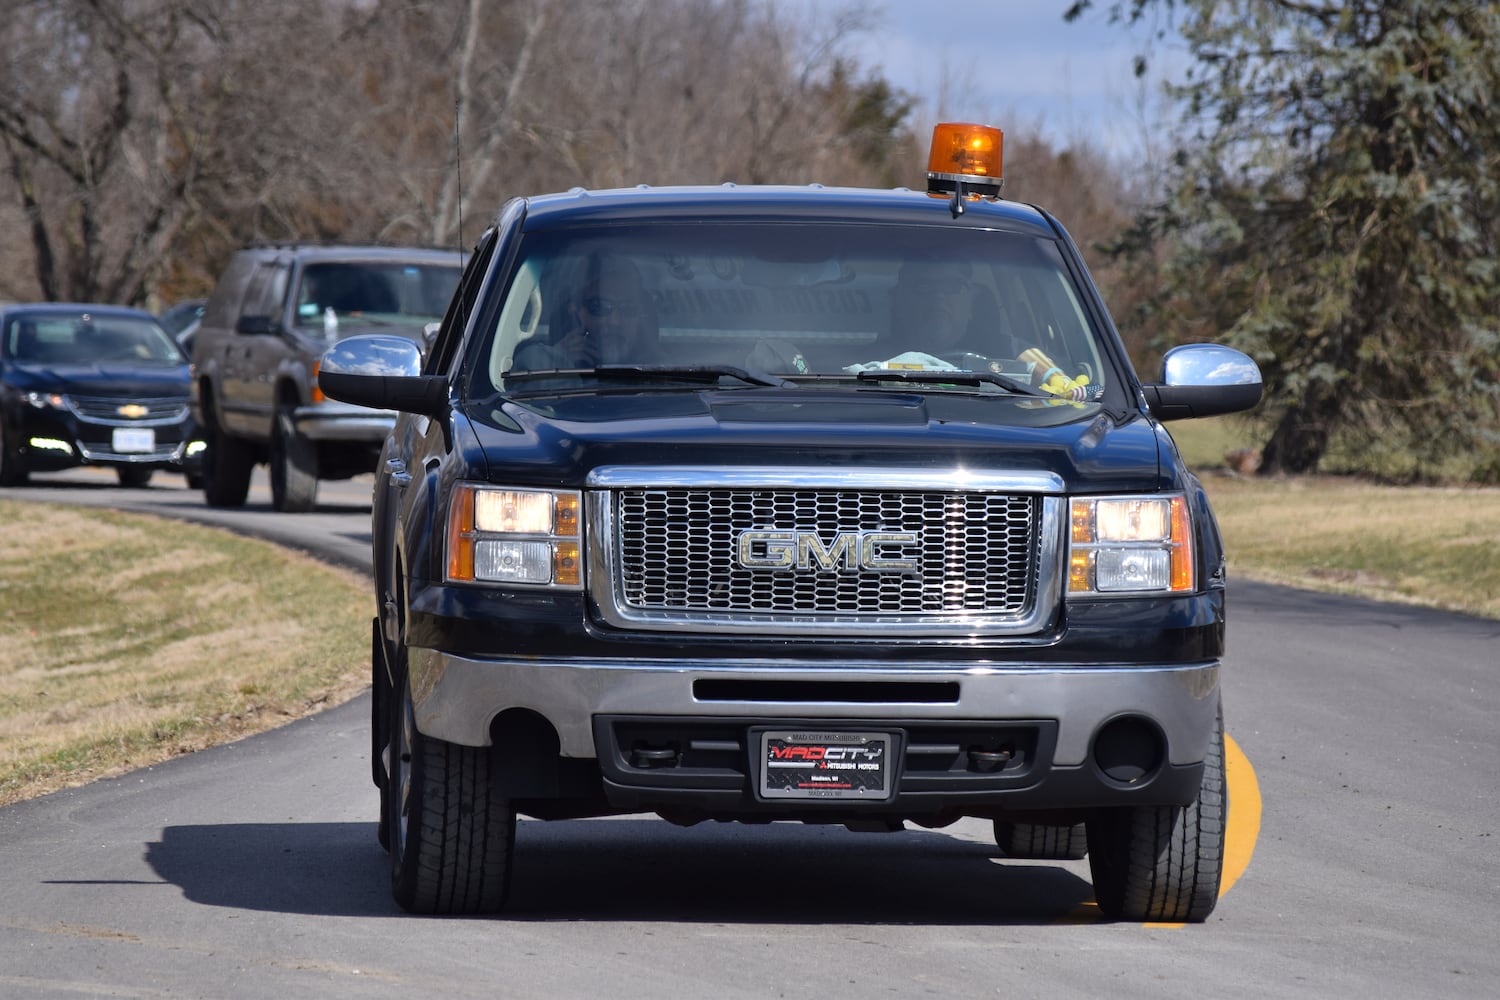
(607, 322)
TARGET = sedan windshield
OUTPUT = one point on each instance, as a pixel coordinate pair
(798, 302)
(86, 338)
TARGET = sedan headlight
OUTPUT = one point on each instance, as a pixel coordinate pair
(527, 537)
(46, 400)
(1130, 545)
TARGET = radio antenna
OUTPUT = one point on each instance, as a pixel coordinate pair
(458, 165)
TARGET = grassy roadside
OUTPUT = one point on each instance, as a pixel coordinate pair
(125, 640)
(1438, 547)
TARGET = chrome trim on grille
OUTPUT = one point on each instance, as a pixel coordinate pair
(893, 480)
(681, 567)
(105, 410)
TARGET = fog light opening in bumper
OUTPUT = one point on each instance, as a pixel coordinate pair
(1129, 751)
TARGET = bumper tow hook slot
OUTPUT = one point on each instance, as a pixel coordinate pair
(649, 757)
(989, 760)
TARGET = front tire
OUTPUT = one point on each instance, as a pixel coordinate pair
(294, 467)
(1164, 863)
(451, 832)
(13, 470)
(227, 464)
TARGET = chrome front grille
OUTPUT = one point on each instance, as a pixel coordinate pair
(150, 412)
(808, 560)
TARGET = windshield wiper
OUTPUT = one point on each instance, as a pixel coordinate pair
(956, 377)
(703, 373)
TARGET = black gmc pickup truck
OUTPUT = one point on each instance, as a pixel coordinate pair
(832, 505)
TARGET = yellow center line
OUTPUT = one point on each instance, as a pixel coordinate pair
(1242, 828)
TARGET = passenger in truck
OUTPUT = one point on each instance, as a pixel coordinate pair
(938, 308)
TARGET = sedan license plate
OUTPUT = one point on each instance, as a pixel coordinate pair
(825, 765)
(133, 440)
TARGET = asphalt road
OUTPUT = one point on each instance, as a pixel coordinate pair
(251, 870)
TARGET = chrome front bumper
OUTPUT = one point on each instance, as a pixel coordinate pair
(457, 698)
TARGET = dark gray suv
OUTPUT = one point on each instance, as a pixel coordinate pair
(274, 311)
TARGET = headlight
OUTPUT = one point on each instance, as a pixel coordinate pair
(529, 537)
(46, 400)
(1130, 545)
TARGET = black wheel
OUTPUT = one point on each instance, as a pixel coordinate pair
(227, 464)
(451, 833)
(1164, 863)
(1041, 841)
(133, 476)
(380, 716)
(294, 467)
(13, 471)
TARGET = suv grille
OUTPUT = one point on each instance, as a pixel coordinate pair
(679, 556)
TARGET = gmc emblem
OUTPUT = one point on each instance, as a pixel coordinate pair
(850, 551)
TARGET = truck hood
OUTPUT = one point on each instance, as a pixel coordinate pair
(560, 439)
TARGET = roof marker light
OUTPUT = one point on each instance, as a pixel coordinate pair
(964, 162)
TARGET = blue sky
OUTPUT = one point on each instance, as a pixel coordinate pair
(1017, 64)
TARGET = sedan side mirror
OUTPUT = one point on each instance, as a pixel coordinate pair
(1204, 380)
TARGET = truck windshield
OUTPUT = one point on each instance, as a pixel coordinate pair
(795, 301)
(409, 294)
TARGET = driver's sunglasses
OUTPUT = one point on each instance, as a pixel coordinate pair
(598, 305)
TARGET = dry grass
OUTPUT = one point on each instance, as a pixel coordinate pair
(125, 640)
(1429, 546)
(1438, 547)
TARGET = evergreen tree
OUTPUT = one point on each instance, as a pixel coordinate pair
(1333, 204)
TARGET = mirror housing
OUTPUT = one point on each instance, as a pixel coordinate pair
(256, 324)
(383, 372)
(1204, 380)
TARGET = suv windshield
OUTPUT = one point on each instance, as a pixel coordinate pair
(798, 301)
(374, 291)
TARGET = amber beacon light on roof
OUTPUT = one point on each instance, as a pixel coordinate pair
(964, 163)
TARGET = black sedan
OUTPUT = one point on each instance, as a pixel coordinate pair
(93, 385)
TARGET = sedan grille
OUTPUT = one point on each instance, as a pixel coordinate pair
(117, 411)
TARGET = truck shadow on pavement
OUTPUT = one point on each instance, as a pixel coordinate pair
(645, 869)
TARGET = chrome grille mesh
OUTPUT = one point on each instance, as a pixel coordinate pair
(676, 553)
(106, 409)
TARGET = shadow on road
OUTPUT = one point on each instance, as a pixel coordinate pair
(643, 870)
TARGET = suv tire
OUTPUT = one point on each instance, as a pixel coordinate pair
(1164, 863)
(294, 466)
(227, 464)
(451, 833)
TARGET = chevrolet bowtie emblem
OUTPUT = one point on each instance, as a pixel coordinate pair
(132, 411)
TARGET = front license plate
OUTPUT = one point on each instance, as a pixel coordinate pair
(823, 765)
(133, 440)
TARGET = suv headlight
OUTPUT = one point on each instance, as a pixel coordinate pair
(1130, 545)
(526, 537)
